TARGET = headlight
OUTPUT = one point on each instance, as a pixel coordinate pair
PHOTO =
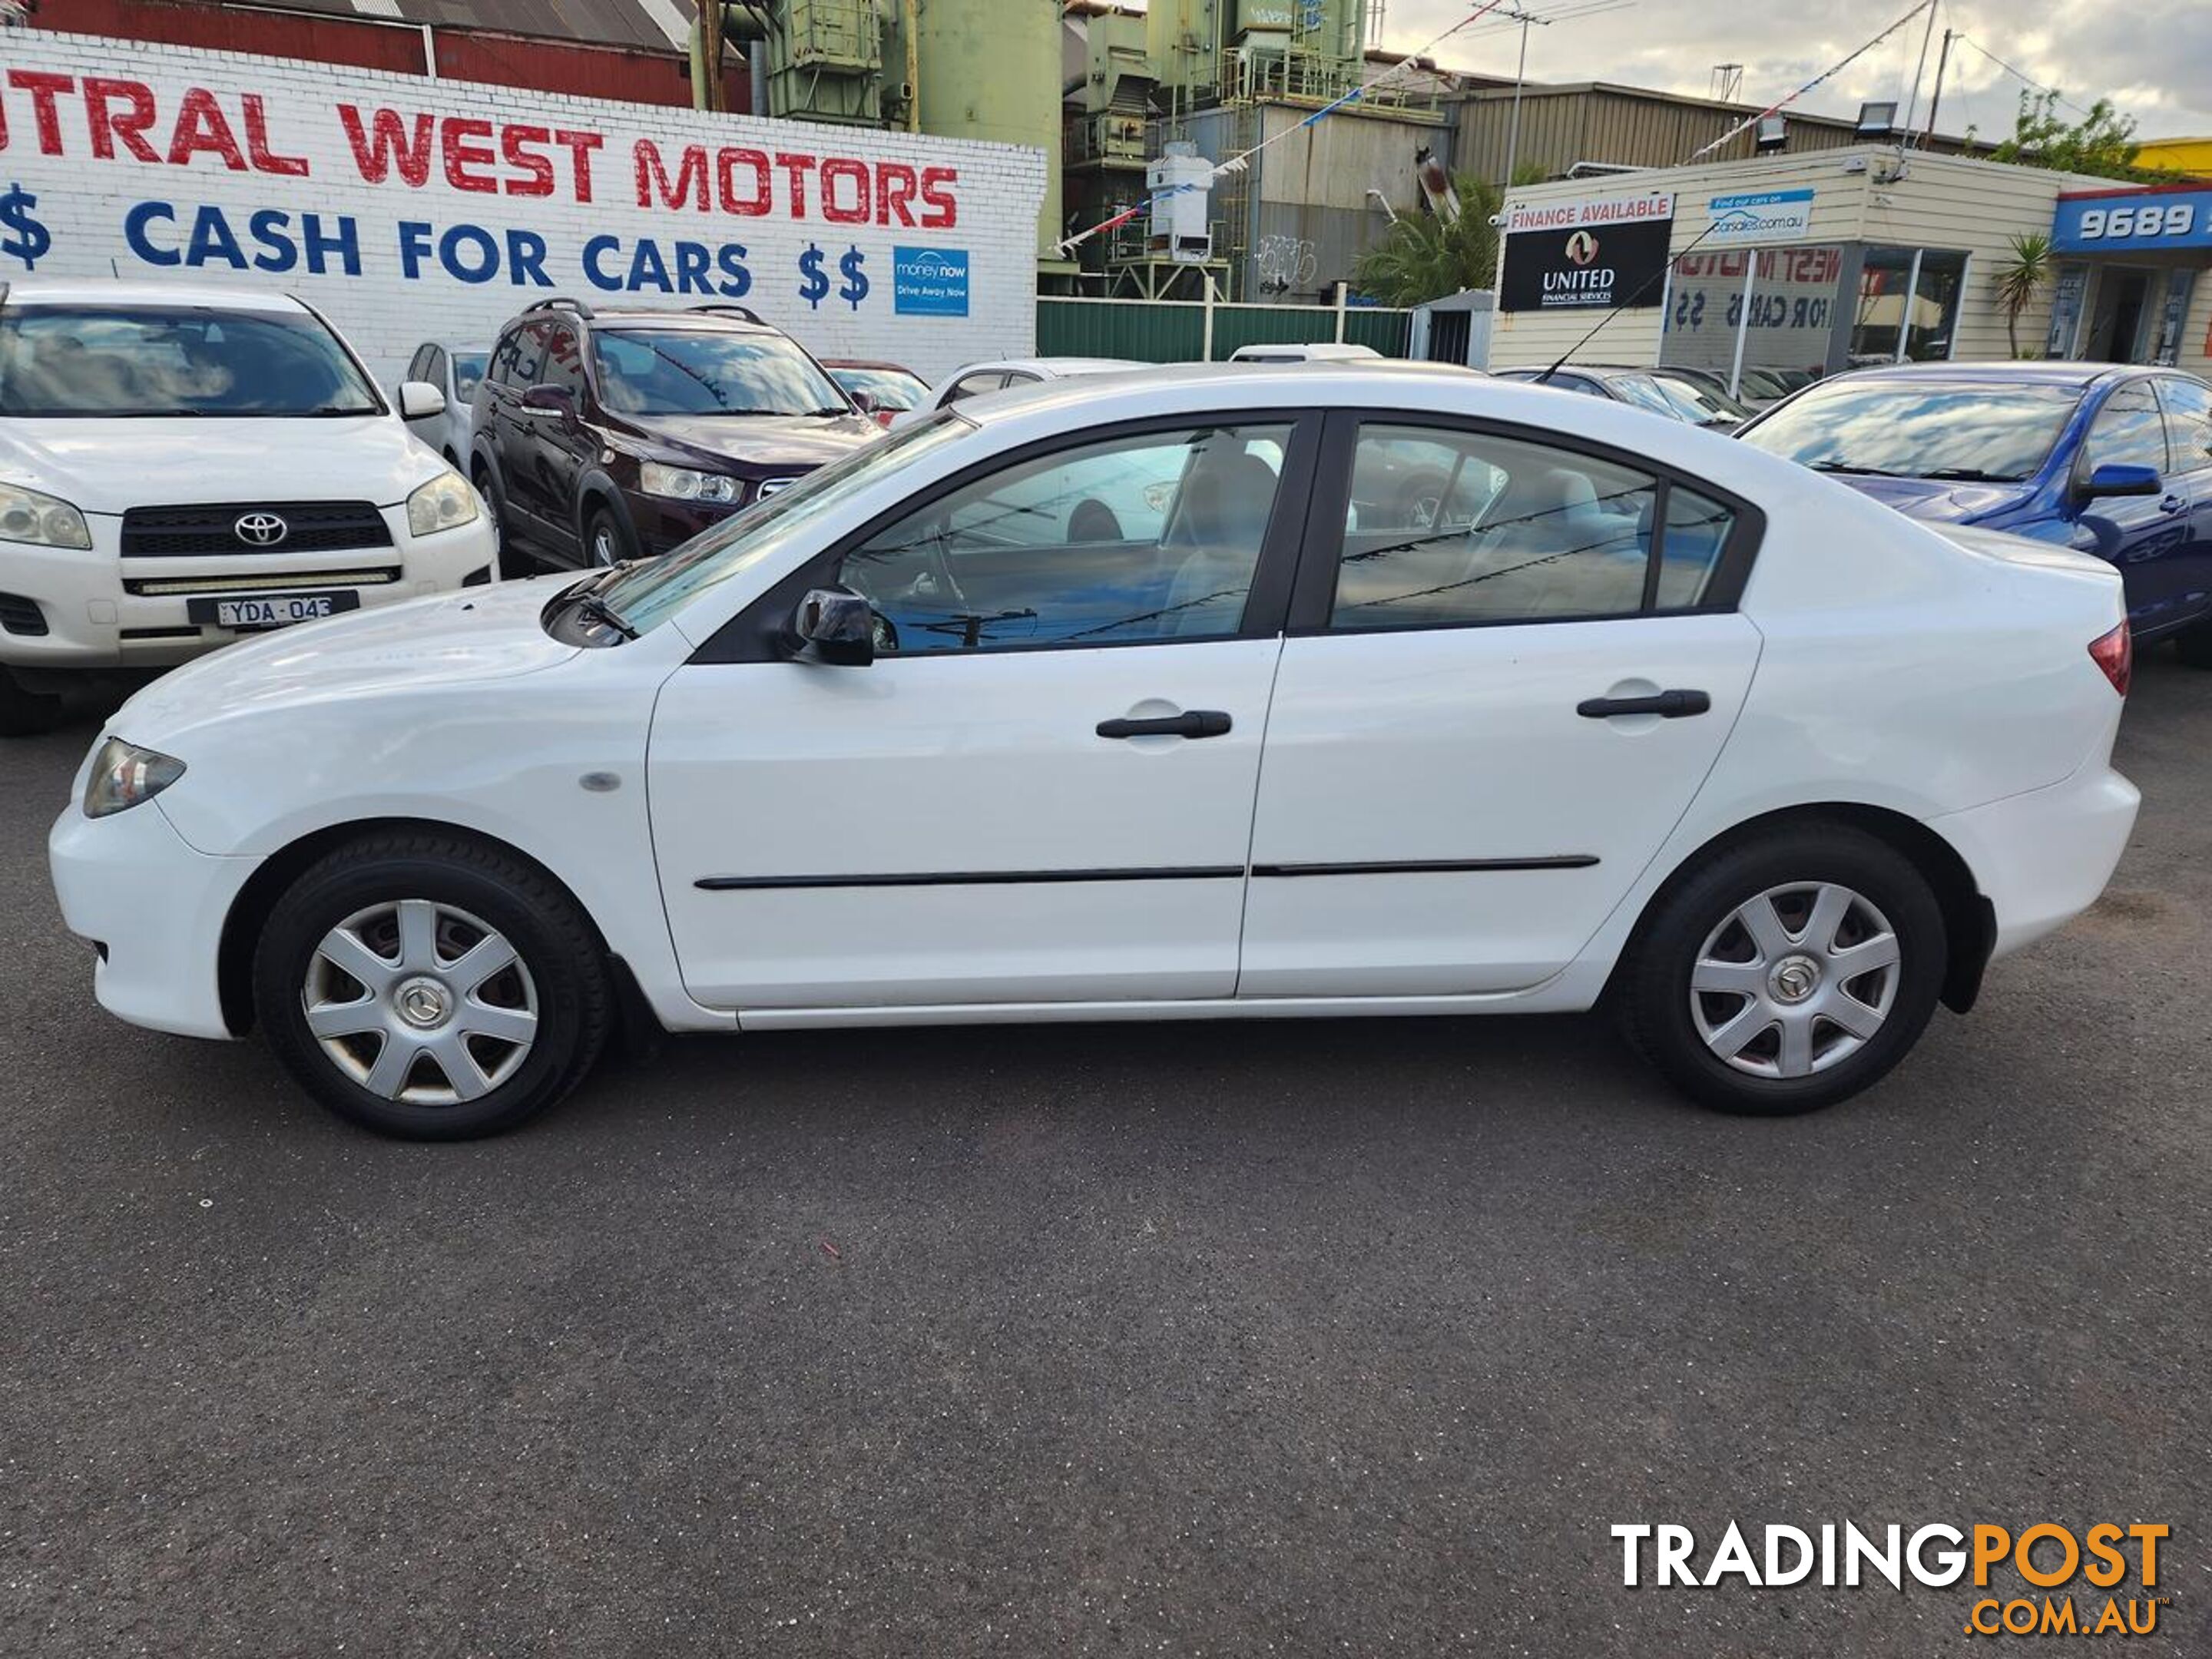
(682, 483)
(42, 520)
(444, 503)
(124, 775)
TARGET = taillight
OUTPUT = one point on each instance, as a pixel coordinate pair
(2116, 654)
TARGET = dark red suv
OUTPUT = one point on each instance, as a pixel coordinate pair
(603, 434)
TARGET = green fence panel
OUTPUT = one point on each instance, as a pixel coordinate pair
(1174, 332)
(1114, 328)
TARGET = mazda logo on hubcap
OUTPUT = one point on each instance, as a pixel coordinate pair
(260, 529)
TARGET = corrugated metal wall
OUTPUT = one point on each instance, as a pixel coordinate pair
(1619, 126)
(1174, 332)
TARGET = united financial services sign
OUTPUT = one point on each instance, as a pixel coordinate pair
(1576, 255)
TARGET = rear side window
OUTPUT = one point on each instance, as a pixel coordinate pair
(504, 357)
(2127, 431)
(1447, 529)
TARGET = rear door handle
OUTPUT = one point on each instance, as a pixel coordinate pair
(1198, 723)
(1668, 705)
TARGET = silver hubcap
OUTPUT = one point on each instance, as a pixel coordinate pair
(1795, 980)
(603, 545)
(421, 1003)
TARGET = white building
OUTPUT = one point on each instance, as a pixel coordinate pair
(1870, 254)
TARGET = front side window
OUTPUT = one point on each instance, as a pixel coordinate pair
(1447, 529)
(648, 371)
(1132, 539)
(564, 364)
(2128, 431)
(2188, 422)
(112, 360)
(468, 372)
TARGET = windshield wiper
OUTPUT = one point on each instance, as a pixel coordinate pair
(1971, 475)
(591, 608)
(1857, 471)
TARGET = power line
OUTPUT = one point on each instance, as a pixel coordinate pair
(2017, 75)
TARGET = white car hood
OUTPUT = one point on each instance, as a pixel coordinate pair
(108, 466)
(444, 642)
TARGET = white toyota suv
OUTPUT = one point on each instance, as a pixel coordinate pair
(183, 465)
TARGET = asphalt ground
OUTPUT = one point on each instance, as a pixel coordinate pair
(1295, 1339)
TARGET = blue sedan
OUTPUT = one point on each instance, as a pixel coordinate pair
(2112, 460)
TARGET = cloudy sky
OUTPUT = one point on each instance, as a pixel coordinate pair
(2152, 58)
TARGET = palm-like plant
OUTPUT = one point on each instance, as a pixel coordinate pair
(2020, 278)
(1421, 258)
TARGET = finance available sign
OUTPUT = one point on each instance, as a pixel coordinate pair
(1595, 253)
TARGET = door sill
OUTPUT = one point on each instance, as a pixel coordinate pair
(1041, 1013)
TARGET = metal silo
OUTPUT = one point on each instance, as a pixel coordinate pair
(991, 69)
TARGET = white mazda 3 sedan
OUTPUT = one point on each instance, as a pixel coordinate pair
(1416, 693)
(183, 464)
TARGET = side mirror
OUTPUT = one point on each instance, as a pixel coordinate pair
(835, 628)
(2123, 478)
(419, 400)
(556, 401)
(867, 403)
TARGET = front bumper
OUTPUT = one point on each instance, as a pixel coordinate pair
(663, 525)
(99, 609)
(2044, 857)
(155, 910)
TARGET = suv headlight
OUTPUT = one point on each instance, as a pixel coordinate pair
(124, 775)
(444, 503)
(682, 483)
(42, 520)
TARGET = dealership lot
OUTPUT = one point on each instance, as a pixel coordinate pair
(1291, 1338)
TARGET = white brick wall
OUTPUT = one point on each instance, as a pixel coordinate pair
(79, 110)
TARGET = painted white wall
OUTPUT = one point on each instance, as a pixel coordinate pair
(95, 130)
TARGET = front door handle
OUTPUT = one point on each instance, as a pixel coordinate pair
(2173, 504)
(1668, 705)
(1198, 723)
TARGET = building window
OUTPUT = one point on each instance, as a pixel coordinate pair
(1908, 305)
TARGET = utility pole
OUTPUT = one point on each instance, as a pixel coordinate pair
(710, 31)
(1520, 75)
(1937, 97)
(1912, 108)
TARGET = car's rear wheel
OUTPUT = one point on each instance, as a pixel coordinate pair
(25, 712)
(1787, 973)
(605, 541)
(426, 987)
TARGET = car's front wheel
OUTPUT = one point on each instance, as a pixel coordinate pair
(605, 542)
(430, 987)
(1787, 973)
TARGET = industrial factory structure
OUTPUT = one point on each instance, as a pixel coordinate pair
(1107, 92)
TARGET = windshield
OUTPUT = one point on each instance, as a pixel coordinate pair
(701, 372)
(109, 361)
(892, 388)
(468, 369)
(1920, 430)
(651, 592)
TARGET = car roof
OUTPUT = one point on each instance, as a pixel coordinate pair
(2057, 374)
(70, 291)
(1052, 367)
